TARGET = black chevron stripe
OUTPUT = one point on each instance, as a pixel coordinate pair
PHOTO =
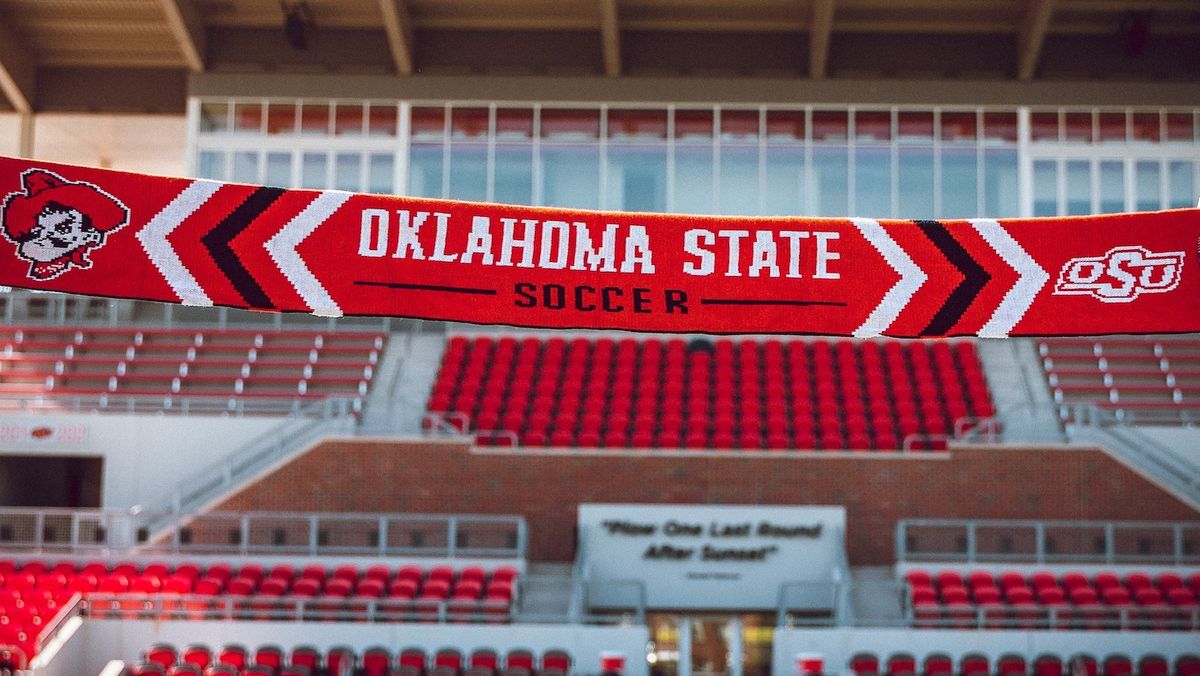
(217, 242)
(974, 279)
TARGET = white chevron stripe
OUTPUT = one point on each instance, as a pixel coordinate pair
(282, 248)
(1031, 280)
(153, 237)
(911, 278)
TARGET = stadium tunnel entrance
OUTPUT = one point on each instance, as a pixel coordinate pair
(713, 581)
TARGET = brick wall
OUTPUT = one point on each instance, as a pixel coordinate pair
(975, 482)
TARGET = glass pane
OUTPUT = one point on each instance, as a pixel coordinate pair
(637, 178)
(1000, 197)
(739, 180)
(571, 176)
(1043, 125)
(1045, 188)
(248, 117)
(1181, 127)
(915, 126)
(279, 170)
(916, 183)
(468, 172)
(960, 126)
(381, 174)
(348, 172)
(1148, 185)
(785, 126)
(785, 181)
(872, 125)
(571, 124)
(281, 118)
(425, 170)
(1147, 127)
(1181, 177)
(211, 165)
(1112, 128)
(830, 189)
(313, 170)
(873, 182)
(245, 167)
(710, 647)
(830, 125)
(693, 125)
(314, 118)
(1000, 127)
(758, 635)
(739, 125)
(514, 124)
(637, 125)
(348, 119)
(1112, 187)
(1077, 127)
(663, 651)
(514, 174)
(427, 124)
(381, 120)
(469, 123)
(694, 180)
(960, 183)
(214, 116)
(1079, 188)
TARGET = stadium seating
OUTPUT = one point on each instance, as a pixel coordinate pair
(269, 660)
(213, 363)
(948, 598)
(710, 394)
(31, 593)
(1159, 374)
(1046, 664)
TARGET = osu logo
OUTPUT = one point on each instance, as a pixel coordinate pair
(1120, 275)
(55, 222)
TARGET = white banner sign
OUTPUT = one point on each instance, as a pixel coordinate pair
(706, 556)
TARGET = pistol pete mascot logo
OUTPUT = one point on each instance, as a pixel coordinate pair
(55, 222)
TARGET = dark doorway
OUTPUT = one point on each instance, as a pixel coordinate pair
(50, 481)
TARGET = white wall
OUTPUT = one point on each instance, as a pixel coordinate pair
(144, 455)
(837, 646)
(1183, 442)
(153, 144)
(126, 639)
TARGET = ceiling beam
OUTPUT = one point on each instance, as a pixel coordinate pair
(17, 71)
(610, 37)
(1034, 23)
(819, 32)
(188, 28)
(398, 24)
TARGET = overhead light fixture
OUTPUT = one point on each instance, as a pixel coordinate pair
(297, 22)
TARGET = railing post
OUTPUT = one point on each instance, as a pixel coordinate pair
(1177, 531)
(901, 540)
(383, 535)
(1109, 543)
(1040, 537)
(313, 530)
(245, 534)
(452, 536)
(39, 527)
(970, 542)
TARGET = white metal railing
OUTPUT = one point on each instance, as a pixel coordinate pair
(1054, 618)
(1024, 541)
(167, 404)
(35, 531)
(262, 607)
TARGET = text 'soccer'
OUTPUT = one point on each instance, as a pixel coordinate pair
(331, 253)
